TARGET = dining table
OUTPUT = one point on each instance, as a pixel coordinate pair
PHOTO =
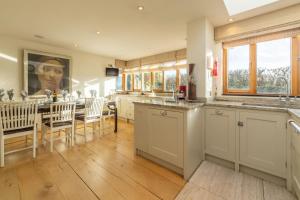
(111, 105)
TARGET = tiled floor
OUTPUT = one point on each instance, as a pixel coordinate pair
(214, 182)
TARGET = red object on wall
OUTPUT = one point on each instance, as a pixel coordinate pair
(214, 71)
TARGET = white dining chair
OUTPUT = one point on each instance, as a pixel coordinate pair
(18, 119)
(92, 114)
(62, 117)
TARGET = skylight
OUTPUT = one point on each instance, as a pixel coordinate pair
(238, 6)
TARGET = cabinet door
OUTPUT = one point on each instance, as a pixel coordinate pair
(123, 107)
(140, 128)
(220, 133)
(296, 162)
(263, 141)
(166, 135)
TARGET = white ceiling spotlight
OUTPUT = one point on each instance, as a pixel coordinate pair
(75, 45)
(140, 8)
(235, 7)
(230, 20)
(98, 32)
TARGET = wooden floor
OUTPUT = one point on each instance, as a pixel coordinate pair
(104, 168)
(107, 168)
(214, 182)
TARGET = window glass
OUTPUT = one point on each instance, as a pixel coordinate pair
(146, 81)
(137, 81)
(238, 68)
(183, 76)
(273, 66)
(158, 80)
(119, 82)
(128, 82)
(169, 80)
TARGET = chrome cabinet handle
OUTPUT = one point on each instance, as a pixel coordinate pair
(218, 112)
(163, 113)
(295, 126)
(240, 123)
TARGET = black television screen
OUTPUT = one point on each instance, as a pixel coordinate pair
(112, 71)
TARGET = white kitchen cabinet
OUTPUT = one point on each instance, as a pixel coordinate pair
(295, 160)
(141, 128)
(166, 135)
(262, 141)
(220, 125)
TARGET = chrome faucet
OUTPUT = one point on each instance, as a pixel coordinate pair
(287, 98)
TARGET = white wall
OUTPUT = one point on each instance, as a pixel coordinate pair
(88, 70)
(200, 46)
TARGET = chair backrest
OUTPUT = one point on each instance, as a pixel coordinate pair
(93, 107)
(18, 115)
(62, 112)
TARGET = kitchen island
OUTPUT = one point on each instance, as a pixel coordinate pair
(169, 134)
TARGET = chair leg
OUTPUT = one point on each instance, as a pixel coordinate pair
(2, 150)
(51, 141)
(72, 135)
(85, 136)
(34, 143)
(99, 127)
(74, 131)
(44, 133)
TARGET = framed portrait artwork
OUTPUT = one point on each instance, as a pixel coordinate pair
(46, 71)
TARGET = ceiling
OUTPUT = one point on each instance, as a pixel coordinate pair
(125, 32)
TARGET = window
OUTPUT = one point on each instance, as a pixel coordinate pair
(273, 66)
(146, 81)
(263, 67)
(158, 80)
(183, 77)
(119, 83)
(137, 81)
(128, 82)
(169, 80)
(238, 68)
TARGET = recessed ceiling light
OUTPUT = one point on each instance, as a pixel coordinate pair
(75, 45)
(98, 32)
(140, 8)
(230, 20)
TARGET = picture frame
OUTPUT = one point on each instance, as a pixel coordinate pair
(46, 71)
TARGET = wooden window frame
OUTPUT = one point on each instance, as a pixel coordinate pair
(253, 70)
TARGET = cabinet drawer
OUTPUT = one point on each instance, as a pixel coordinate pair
(220, 133)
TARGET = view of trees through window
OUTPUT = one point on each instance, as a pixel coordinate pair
(119, 82)
(146, 81)
(272, 66)
(238, 67)
(158, 80)
(183, 77)
(170, 80)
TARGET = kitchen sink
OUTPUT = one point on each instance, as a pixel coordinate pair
(270, 105)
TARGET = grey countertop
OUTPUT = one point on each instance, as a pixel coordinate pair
(176, 105)
(225, 104)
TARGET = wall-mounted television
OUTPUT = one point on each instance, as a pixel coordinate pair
(110, 71)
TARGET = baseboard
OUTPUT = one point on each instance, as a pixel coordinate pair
(263, 175)
(163, 163)
(247, 170)
(219, 161)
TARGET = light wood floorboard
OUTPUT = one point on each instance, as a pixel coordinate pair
(105, 167)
